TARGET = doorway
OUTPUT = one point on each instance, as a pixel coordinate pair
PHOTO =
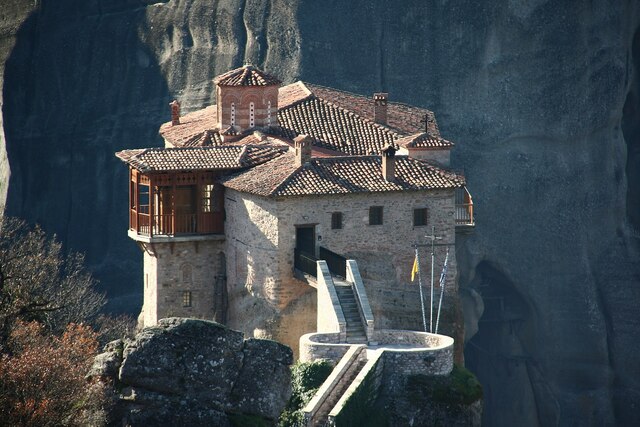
(306, 239)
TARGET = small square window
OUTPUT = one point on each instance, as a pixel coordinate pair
(186, 299)
(375, 215)
(419, 217)
(336, 221)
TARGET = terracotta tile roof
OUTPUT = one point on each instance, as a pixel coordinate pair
(199, 158)
(246, 76)
(336, 120)
(424, 140)
(292, 93)
(191, 127)
(402, 118)
(339, 175)
(333, 127)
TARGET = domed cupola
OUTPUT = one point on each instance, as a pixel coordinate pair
(246, 98)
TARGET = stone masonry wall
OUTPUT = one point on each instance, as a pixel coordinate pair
(322, 346)
(267, 301)
(399, 365)
(440, 157)
(383, 252)
(251, 246)
(170, 269)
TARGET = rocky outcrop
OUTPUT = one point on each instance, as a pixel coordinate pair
(194, 372)
(541, 98)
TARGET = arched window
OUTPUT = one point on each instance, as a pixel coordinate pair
(252, 115)
(185, 269)
(233, 113)
(269, 113)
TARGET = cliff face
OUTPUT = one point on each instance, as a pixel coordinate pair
(541, 97)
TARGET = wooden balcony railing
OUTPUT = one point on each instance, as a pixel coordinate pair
(464, 208)
(172, 225)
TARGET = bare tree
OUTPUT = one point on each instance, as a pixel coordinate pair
(38, 281)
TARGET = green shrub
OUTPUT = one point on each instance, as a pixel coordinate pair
(306, 378)
(460, 387)
(244, 420)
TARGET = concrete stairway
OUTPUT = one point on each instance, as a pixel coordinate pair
(335, 395)
(355, 329)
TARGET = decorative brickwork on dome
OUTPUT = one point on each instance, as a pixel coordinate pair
(246, 76)
(340, 175)
(199, 158)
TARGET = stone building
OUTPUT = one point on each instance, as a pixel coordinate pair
(249, 193)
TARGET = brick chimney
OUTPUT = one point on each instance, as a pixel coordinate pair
(380, 107)
(175, 112)
(389, 162)
(302, 144)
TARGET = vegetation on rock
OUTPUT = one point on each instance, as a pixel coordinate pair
(306, 378)
(460, 387)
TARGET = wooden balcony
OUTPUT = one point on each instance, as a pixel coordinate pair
(179, 204)
(464, 209)
(175, 225)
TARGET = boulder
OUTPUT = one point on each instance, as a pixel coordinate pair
(195, 372)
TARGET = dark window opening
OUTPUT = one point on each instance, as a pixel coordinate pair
(143, 198)
(132, 193)
(375, 215)
(419, 217)
(336, 221)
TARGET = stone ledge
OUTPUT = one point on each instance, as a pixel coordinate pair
(174, 239)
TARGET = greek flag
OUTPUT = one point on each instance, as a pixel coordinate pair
(443, 275)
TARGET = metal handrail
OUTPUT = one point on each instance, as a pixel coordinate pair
(337, 263)
(305, 262)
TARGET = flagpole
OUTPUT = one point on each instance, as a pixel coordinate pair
(424, 319)
(433, 233)
(443, 278)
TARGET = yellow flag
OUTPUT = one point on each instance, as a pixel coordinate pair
(414, 270)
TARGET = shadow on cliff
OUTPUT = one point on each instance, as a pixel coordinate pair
(80, 85)
(631, 132)
(497, 352)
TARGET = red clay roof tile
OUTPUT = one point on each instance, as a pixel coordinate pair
(199, 158)
(246, 76)
(340, 175)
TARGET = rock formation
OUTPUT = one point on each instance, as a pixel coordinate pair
(541, 97)
(194, 372)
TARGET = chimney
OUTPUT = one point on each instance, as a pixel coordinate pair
(175, 112)
(302, 144)
(380, 107)
(388, 162)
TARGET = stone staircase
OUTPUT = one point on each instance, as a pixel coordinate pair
(355, 330)
(320, 420)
